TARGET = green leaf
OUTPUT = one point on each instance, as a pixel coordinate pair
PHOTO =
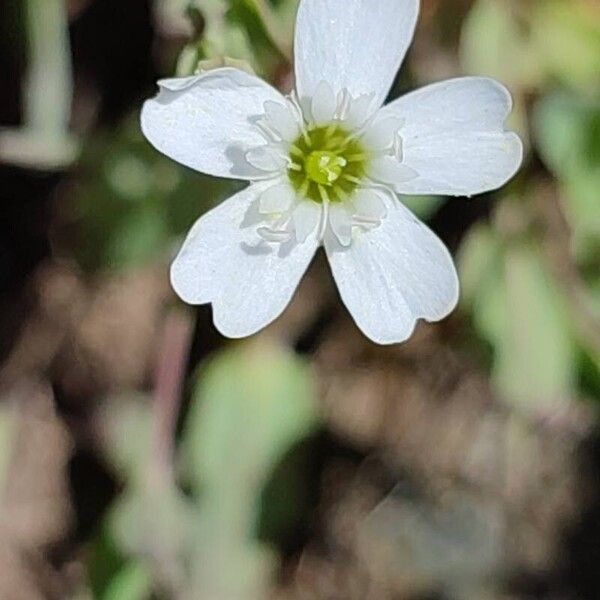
(494, 44)
(222, 37)
(518, 308)
(567, 130)
(226, 566)
(126, 423)
(252, 403)
(133, 203)
(478, 262)
(44, 140)
(567, 34)
(153, 519)
(104, 560)
(133, 582)
(137, 239)
(560, 121)
(535, 355)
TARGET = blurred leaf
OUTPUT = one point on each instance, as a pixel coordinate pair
(221, 36)
(567, 132)
(590, 363)
(217, 63)
(133, 582)
(494, 44)
(228, 566)
(252, 404)
(480, 267)
(251, 31)
(44, 141)
(567, 34)
(423, 206)
(286, 11)
(478, 261)
(535, 355)
(153, 520)
(526, 45)
(104, 560)
(126, 423)
(132, 203)
(277, 29)
(137, 238)
(519, 309)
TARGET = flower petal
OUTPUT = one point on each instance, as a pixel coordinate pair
(323, 104)
(225, 262)
(281, 119)
(359, 110)
(368, 204)
(207, 122)
(454, 137)
(307, 216)
(382, 134)
(388, 169)
(340, 221)
(277, 199)
(391, 276)
(352, 44)
(268, 159)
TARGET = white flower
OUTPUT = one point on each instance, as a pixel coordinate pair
(327, 166)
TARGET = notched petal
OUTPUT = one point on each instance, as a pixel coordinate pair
(277, 199)
(389, 170)
(341, 222)
(207, 122)
(324, 104)
(306, 217)
(267, 158)
(280, 118)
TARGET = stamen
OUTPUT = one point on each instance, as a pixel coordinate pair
(304, 187)
(340, 193)
(351, 179)
(273, 235)
(330, 131)
(296, 151)
(321, 160)
(323, 192)
(358, 157)
(324, 221)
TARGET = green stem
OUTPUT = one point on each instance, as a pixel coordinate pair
(49, 82)
(272, 26)
(43, 141)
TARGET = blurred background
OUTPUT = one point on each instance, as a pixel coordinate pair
(145, 457)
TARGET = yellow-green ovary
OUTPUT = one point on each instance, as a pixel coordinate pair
(327, 164)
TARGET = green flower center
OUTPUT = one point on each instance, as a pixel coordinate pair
(324, 167)
(328, 164)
